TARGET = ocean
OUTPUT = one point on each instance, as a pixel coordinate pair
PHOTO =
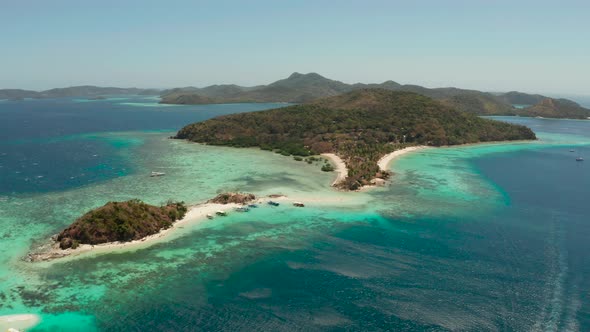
(472, 238)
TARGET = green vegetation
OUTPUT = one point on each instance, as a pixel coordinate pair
(327, 167)
(301, 88)
(120, 221)
(238, 198)
(556, 108)
(360, 126)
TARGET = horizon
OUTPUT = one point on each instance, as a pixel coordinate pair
(497, 47)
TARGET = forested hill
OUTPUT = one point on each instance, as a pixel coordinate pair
(361, 126)
(302, 88)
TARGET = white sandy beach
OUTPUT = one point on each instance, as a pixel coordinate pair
(195, 214)
(387, 159)
(384, 163)
(340, 167)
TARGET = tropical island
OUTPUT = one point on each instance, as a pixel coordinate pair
(359, 126)
(120, 222)
(132, 223)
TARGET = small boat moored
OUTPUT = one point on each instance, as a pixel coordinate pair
(273, 203)
(252, 206)
(242, 209)
(221, 213)
(298, 204)
(209, 216)
(579, 159)
(153, 174)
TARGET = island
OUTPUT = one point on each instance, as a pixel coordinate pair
(303, 88)
(120, 222)
(133, 224)
(359, 126)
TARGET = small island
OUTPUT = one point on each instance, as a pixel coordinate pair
(120, 222)
(128, 224)
(359, 127)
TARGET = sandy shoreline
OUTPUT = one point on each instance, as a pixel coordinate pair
(340, 167)
(196, 214)
(384, 163)
(387, 159)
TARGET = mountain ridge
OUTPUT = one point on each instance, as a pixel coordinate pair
(302, 88)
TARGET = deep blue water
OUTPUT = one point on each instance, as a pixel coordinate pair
(55, 144)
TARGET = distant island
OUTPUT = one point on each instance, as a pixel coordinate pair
(120, 222)
(302, 88)
(359, 126)
(85, 91)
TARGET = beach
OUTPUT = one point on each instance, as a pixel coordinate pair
(195, 214)
(339, 167)
(386, 160)
(384, 163)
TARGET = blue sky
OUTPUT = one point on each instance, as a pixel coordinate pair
(533, 46)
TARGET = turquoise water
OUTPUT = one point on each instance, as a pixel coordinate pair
(485, 237)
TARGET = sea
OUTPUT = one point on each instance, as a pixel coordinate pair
(488, 237)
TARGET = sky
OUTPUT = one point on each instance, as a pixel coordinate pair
(531, 46)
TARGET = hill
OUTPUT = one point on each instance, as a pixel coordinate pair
(556, 108)
(520, 98)
(361, 126)
(301, 88)
(17, 94)
(120, 221)
(87, 91)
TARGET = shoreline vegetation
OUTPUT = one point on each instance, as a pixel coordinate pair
(360, 127)
(383, 163)
(195, 214)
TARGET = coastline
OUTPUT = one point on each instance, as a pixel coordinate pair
(384, 163)
(51, 252)
(195, 214)
(340, 167)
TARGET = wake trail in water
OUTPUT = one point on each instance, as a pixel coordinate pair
(559, 311)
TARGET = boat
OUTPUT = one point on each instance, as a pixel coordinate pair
(253, 206)
(157, 174)
(572, 150)
(209, 216)
(273, 203)
(242, 209)
(298, 204)
(579, 159)
(221, 213)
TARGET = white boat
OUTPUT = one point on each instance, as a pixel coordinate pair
(579, 159)
(157, 174)
(209, 216)
(221, 213)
